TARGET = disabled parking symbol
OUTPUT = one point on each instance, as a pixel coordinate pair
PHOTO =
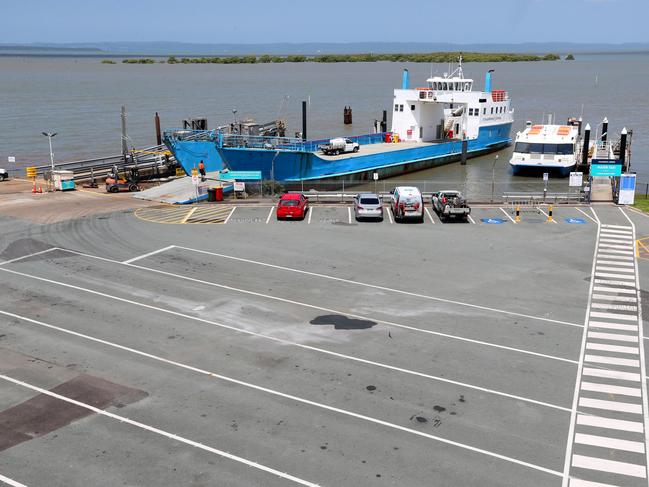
(492, 221)
(575, 221)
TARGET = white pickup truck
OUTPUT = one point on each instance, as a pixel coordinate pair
(339, 145)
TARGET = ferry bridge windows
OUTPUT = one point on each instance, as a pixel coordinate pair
(484, 111)
(412, 107)
(398, 108)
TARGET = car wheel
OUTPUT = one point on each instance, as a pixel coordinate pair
(113, 189)
(355, 149)
(133, 187)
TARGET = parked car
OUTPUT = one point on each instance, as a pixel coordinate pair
(339, 145)
(368, 205)
(406, 202)
(4, 175)
(292, 206)
(450, 204)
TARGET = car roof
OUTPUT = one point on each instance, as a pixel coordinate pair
(367, 195)
(408, 189)
(450, 191)
(291, 196)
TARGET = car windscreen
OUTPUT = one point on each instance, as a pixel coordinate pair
(289, 203)
(369, 201)
(410, 200)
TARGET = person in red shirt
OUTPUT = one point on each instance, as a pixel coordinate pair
(201, 170)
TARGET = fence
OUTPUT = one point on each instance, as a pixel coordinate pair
(532, 192)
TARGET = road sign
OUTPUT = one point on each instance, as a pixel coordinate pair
(375, 176)
(605, 170)
(11, 159)
(546, 176)
(576, 179)
(626, 195)
(492, 221)
(575, 221)
(239, 186)
(247, 175)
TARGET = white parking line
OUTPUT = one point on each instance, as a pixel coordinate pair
(300, 345)
(471, 219)
(547, 215)
(382, 288)
(144, 256)
(330, 310)
(507, 215)
(152, 429)
(349, 214)
(228, 218)
(11, 482)
(28, 256)
(390, 215)
(308, 221)
(270, 213)
(586, 214)
(430, 217)
(273, 392)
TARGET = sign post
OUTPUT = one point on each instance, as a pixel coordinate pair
(626, 196)
(375, 176)
(546, 176)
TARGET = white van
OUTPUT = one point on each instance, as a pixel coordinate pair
(406, 202)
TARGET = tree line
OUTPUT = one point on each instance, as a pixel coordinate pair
(434, 57)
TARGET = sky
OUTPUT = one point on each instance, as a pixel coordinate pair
(259, 21)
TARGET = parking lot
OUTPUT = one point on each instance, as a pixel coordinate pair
(325, 214)
(319, 352)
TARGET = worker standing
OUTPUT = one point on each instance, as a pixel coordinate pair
(201, 170)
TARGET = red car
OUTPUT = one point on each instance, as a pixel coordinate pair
(292, 206)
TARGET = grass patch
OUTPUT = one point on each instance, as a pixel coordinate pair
(641, 202)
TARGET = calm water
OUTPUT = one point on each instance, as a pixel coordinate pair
(81, 98)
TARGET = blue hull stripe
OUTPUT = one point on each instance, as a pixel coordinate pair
(283, 165)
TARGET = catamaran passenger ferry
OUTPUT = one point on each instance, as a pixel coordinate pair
(547, 148)
(430, 125)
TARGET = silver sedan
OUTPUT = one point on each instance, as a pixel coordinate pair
(368, 205)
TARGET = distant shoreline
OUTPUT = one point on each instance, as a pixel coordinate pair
(435, 57)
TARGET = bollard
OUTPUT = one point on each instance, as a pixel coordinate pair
(550, 214)
(518, 214)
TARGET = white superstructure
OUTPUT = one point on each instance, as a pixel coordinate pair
(546, 147)
(448, 108)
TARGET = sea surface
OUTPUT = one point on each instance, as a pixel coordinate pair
(80, 99)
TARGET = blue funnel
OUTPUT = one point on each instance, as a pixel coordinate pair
(405, 82)
(487, 81)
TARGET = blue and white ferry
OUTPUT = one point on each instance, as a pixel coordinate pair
(429, 125)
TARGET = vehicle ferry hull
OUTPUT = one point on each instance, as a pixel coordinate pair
(386, 159)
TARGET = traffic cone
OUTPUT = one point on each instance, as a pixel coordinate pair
(40, 189)
(34, 188)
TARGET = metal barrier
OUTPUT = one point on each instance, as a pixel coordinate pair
(534, 198)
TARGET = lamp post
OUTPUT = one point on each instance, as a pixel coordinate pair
(49, 136)
(493, 177)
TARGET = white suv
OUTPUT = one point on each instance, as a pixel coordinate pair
(406, 202)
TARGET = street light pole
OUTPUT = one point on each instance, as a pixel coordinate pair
(493, 178)
(49, 136)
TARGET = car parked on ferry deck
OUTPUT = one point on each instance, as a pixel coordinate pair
(292, 206)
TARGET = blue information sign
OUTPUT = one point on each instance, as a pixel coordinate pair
(492, 221)
(242, 175)
(605, 169)
(575, 221)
